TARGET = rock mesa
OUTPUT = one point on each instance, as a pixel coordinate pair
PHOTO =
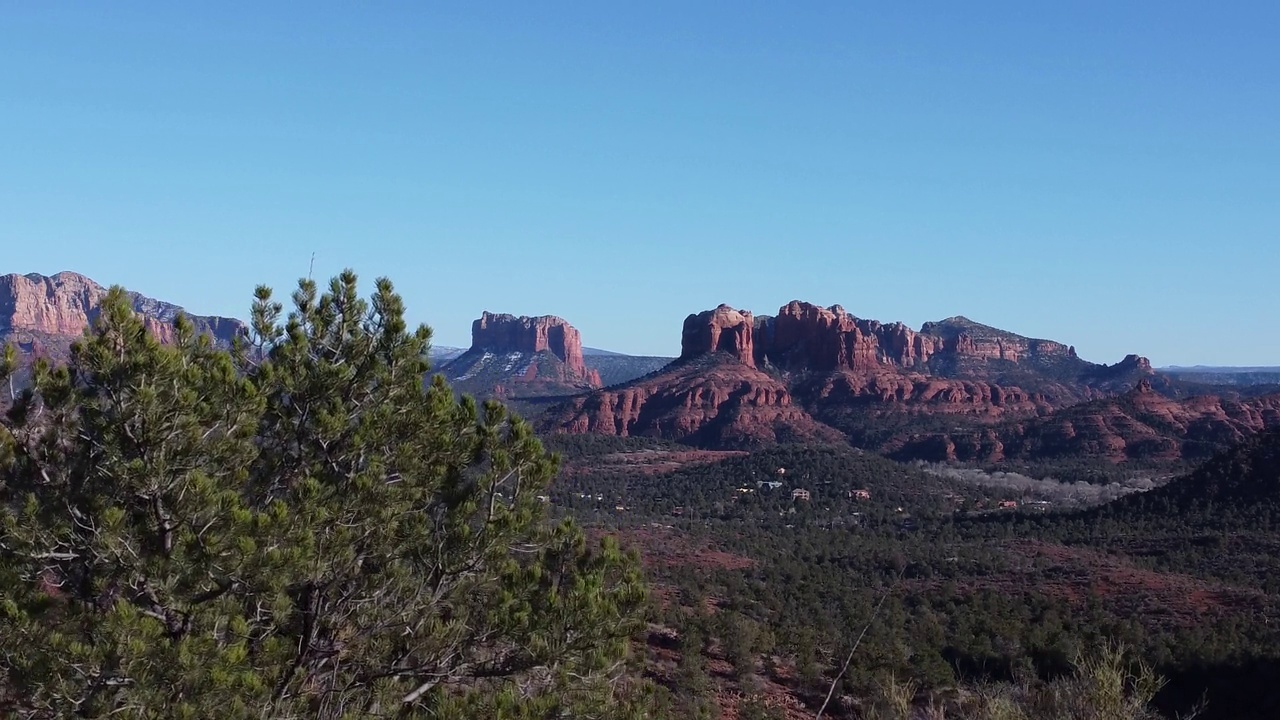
(508, 333)
(514, 357)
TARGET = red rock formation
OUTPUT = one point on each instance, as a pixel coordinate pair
(1139, 425)
(809, 337)
(744, 379)
(857, 375)
(1134, 362)
(508, 333)
(60, 305)
(918, 393)
(840, 365)
(45, 315)
(718, 402)
(723, 330)
(713, 396)
(522, 357)
(968, 339)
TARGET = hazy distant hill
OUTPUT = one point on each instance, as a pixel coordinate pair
(441, 354)
(1221, 375)
(616, 368)
(1140, 425)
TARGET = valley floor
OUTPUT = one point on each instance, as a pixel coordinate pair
(757, 595)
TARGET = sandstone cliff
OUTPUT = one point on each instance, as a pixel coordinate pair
(517, 356)
(45, 315)
(723, 330)
(803, 336)
(507, 333)
(953, 389)
(1141, 424)
(807, 337)
(712, 396)
(840, 364)
(966, 338)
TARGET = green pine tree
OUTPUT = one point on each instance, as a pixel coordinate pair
(302, 527)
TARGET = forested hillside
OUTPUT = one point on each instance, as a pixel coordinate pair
(780, 584)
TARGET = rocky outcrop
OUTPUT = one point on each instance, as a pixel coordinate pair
(64, 304)
(712, 396)
(1139, 425)
(723, 330)
(803, 336)
(884, 386)
(1135, 363)
(505, 333)
(711, 400)
(966, 338)
(918, 393)
(45, 315)
(837, 361)
(513, 357)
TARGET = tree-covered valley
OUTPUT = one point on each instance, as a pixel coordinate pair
(981, 599)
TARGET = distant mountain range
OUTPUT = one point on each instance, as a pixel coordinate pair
(1222, 375)
(953, 390)
(1218, 368)
(441, 354)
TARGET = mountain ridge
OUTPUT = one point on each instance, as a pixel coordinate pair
(44, 314)
(825, 370)
(955, 389)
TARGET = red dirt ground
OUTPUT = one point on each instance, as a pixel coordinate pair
(648, 462)
(1163, 599)
(665, 546)
(663, 658)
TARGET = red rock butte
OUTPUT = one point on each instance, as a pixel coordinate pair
(723, 330)
(505, 333)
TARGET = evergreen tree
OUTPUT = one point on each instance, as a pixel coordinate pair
(691, 682)
(302, 527)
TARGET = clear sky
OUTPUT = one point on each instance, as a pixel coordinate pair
(1105, 174)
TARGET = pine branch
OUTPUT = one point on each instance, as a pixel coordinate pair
(839, 676)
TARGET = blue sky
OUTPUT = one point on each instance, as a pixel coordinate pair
(1104, 174)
